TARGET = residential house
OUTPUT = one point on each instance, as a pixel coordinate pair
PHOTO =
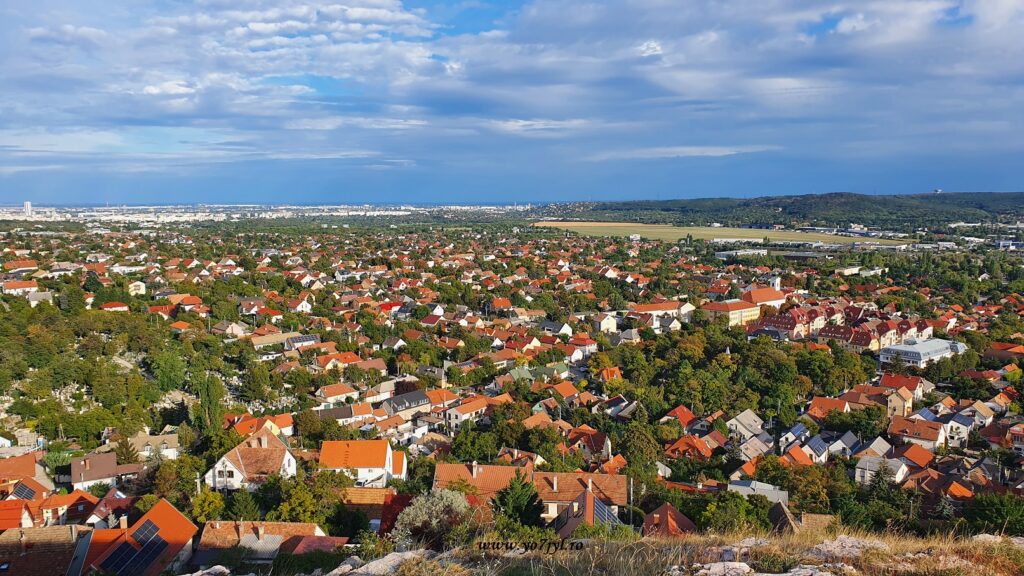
(371, 463)
(249, 464)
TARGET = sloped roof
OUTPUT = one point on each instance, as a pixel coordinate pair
(337, 454)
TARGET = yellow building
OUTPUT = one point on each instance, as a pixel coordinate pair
(739, 312)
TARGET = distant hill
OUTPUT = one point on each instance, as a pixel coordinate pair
(837, 209)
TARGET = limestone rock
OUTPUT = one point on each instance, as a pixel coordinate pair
(725, 569)
(388, 564)
(845, 547)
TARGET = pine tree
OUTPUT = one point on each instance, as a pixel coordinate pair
(518, 501)
(126, 452)
(243, 507)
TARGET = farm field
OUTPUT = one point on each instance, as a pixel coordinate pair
(676, 233)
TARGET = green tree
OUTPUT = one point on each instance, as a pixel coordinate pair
(519, 501)
(126, 452)
(207, 505)
(298, 503)
(256, 383)
(998, 513)
(168, 369)
(243, 506)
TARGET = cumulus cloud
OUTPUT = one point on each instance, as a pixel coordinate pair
(547, 83)
(69, 35)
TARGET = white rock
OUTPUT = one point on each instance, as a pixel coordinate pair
(846, 547)
(388, 564)
(213, 571)
(725, 569)
(346, 567)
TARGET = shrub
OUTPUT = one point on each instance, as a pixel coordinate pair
(429, 518)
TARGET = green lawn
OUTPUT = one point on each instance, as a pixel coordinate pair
(676, 233)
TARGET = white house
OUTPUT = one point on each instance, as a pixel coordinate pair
(250, 463)
(370, 463)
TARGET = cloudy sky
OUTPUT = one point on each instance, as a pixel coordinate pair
(502, 100)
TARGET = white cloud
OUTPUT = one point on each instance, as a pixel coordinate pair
(538, 127)
(68, 34)
(169, 88)
(662, 152)
(650, 48)
(853, 24)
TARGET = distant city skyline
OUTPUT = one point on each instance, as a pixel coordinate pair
(486, 101)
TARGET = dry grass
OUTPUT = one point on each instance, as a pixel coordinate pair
(677, 233)
(904, 556)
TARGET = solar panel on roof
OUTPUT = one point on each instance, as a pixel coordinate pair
(144, 558)
(121, 556)
(23, 492)
(143, 533)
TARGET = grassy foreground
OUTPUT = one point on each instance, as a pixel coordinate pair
(898, 555)
(676, 233)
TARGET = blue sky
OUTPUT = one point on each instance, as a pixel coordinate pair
(492, 101)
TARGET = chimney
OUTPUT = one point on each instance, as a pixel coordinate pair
(260, 532)
(122, 522)
(590, 484)
(554, 483)
(88, 463)
(474, 468)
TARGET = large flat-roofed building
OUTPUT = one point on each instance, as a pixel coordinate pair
(921, 353)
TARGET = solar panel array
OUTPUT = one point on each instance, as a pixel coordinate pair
(121, 556)
(604, 515)
(127, 561)
(150, 552)
(23, 492)
(143, 533)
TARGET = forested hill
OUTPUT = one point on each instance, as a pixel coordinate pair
(838, 209)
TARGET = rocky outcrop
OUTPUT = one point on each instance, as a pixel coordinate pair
(845, 547)
(742, 569)
(386, 565)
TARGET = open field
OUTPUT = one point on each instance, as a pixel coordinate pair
(676, 233)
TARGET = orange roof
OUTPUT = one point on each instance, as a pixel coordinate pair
(488, 479)
(666, 521)
(439, 396)
(610, 489)
(18, 467)
(20, 284)
(173, 527)
(914, 428)
(731, 306)
(338, 454)
(565, 389)
(656, 307)
(762, 295)
(12, 513)
(340, 357)
(915, 454)
(797, 457)
(690, 446)
(822, 406)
